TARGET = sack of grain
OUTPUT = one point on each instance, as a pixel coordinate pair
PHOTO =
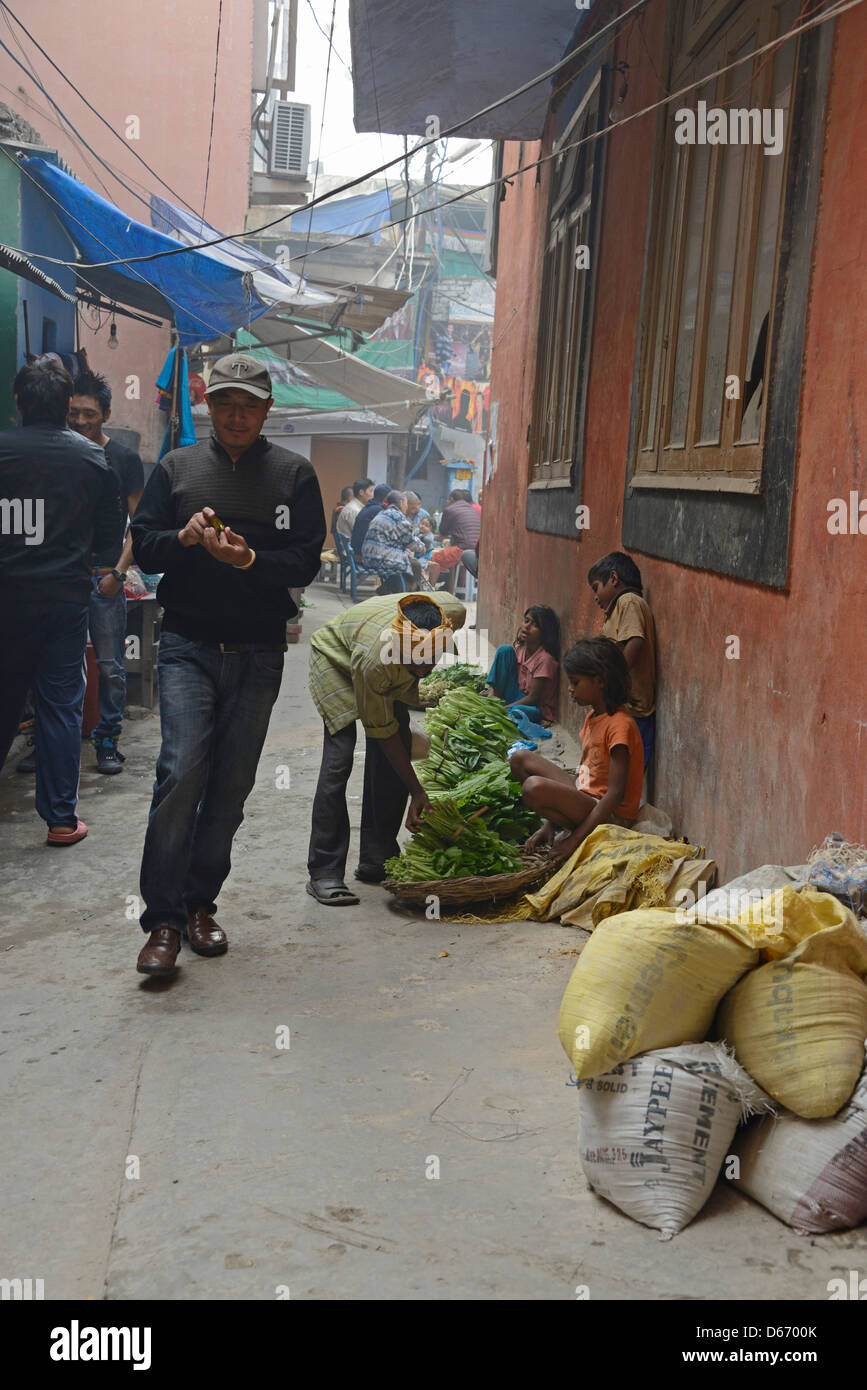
(645, 981)
(812, 1174)
(653, 1132)
(798, 1024)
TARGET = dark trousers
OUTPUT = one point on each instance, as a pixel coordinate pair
(214, 713)
(382, 807)
(43, 646)
(107, 623)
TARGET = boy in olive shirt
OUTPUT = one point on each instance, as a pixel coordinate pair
(616, 584)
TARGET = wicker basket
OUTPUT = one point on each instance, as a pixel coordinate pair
(495, 888)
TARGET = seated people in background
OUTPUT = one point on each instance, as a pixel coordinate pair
(526, 672)
(460, 528)
(616, 583)
(426, 534)
(414, 509)
(345, 495)
(365, 666)
(607, 789)
(470, 561)
(366, 515)
(360, 494)
(390, 549)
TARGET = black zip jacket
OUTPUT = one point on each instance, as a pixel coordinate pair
(59, 501)
(270, 497)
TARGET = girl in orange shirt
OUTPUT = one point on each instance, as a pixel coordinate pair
(607, 788)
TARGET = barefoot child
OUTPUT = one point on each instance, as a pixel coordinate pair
(608, 786)
(526, 672)
(616, 584)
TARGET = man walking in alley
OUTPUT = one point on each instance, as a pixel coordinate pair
(59, 503)
(226, 597)
(89, 410)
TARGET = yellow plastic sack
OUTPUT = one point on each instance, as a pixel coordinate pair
(615, 870)
(645, 981)
(799, 1022)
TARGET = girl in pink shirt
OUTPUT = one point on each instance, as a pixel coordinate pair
(526, 672)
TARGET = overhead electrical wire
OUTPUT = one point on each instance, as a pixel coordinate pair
(213, 108)
(823, 18)
(423, 144)
(126, 144)
(323, 33)
(322, 121)
(828, 15)
(76, 134)
(78, 266)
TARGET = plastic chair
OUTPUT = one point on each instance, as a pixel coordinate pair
(342, 543)
(470, 585)
(356, 571)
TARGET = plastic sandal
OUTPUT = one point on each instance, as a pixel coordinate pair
(331, 893)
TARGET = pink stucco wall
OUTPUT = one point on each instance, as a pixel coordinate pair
(154, 61)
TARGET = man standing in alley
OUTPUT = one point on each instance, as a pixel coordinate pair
(365, 666)
(89, 410)
(58, 503)
(233, 522)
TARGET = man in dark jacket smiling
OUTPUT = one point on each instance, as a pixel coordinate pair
(226, 597)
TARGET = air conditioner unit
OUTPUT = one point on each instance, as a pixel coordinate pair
(290, 139)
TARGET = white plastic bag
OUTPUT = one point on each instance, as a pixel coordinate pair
(653, 1132)
(812, 1174)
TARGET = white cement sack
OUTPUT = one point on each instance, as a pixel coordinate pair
(654, 1131)
(812, 1174)
(726, 903)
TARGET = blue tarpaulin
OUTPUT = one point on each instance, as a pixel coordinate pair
(361, 215)
(205, 297)
(181, 225)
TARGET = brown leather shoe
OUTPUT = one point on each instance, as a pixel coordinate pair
(159, 953)
(203, 934)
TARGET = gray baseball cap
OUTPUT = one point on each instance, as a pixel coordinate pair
(242, 372)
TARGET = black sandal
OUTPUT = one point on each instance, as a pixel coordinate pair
(331, 892)
(371, 873)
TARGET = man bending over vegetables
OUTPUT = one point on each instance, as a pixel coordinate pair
(365, 666)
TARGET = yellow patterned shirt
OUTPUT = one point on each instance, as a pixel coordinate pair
(352, 675)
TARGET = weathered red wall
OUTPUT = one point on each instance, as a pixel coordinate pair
(757, 758)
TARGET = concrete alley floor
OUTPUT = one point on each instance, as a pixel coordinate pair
(261, 1169)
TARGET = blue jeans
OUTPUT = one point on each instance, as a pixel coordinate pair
(214, 713)
(647, 728)
(107, 623)
(503, 680)
(43, 646)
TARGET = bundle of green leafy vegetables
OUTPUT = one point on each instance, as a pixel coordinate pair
(447, 846)
(467, 731)
(495, 796)
(447, 678)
